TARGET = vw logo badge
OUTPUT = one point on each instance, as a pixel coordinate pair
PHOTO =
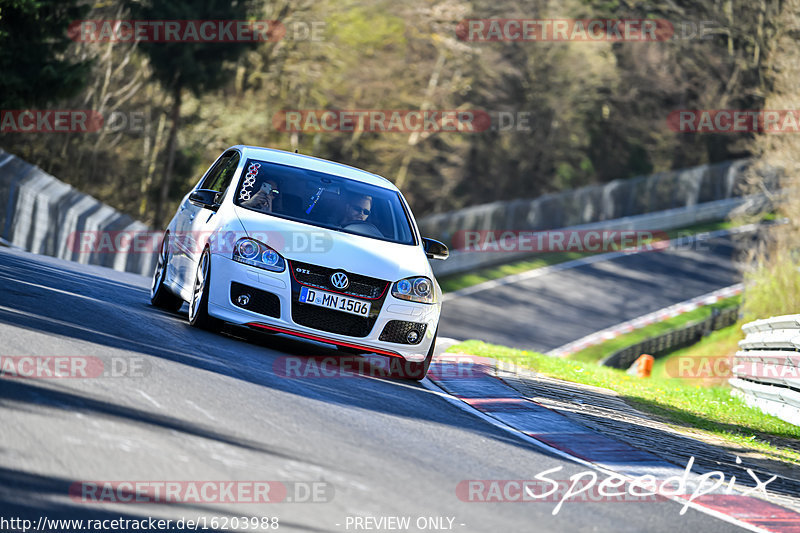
(339, 280)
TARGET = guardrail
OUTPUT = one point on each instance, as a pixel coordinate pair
(594, 203)
(465, 261)
(40, 214)
(766, 369)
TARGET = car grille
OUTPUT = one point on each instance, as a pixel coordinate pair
(261, 302)
(320, 277)
(397, 330)
(331, 321)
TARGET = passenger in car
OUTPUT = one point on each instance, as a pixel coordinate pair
(264, 198)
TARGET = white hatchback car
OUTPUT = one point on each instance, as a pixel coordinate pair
(301, 246)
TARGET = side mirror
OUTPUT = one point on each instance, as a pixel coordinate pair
(205, 198)
(434, 249)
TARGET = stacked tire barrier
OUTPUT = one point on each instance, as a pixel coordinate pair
(766, 369)
(673, 340)
(40, 214)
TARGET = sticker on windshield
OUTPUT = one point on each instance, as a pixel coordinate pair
(249, 181)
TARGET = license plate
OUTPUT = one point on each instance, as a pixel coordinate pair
(334, 301)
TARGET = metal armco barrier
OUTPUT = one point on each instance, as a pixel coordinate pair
(465, 261)
(662, 201)
(672, 340)
(40, 214)
(595, 203)
(766, 369)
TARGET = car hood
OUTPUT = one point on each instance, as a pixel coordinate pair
(335, 249)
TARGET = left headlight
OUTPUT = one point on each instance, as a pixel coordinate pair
(419, 289)
(257, 254)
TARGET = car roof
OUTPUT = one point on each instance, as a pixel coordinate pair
(313, 163)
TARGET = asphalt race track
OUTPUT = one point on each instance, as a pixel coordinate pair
(546, 312)
(204, 407)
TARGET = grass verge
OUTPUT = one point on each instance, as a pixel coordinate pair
(600, 351)
(713, 410)
(720, 343)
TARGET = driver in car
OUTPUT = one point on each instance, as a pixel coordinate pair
(357, 209)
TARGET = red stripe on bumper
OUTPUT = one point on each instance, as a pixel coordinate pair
(325, 339)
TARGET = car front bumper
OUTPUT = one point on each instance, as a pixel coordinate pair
(225, 271)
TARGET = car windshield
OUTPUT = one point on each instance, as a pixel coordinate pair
(324, 200)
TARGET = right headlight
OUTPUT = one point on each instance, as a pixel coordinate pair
(417, 289)
(251, 252)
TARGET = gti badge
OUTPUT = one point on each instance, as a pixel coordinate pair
(339, 280)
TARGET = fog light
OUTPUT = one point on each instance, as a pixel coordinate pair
(243, 299)
(412, 336)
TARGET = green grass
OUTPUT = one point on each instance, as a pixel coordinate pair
(468, 279)
(600, 351)
(720, 343)
(712, 410)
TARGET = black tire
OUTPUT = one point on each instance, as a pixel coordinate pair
(418, 371)
(160, 295)
(198, 305)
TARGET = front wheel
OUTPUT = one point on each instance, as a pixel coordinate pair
(198, 306)
(418, 371)
(160, 295)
